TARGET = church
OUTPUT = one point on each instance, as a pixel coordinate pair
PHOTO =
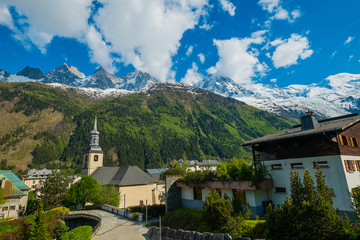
(135, 186)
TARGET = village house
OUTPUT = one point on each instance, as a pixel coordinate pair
(35, 178)
(16, 195)
(331, 144)
(196, 165)
(135, 186)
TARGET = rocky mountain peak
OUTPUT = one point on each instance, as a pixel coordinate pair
(75, 71)
(4, 75)
(32, 73)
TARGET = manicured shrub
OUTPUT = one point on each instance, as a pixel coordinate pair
(79, 233)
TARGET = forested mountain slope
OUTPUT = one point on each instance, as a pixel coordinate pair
(148, 129)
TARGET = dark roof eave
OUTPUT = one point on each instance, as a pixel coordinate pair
(256, 141)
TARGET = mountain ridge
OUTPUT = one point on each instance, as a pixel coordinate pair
(336, 95)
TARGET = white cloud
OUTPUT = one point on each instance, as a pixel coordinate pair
(348, 40)
(201, 57)
(269, 5)
(279, 13)
(189, 50)
(143, 33)
(6, 18)
(290, 50)
(237, 60)
(148, 33)
(99, 52)
(228, 7)
(274, 80)
(192, 75)
(350, 57)
(295, 14)
(42, 20)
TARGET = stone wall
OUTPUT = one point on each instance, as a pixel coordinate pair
(173, 234)
(174, 193)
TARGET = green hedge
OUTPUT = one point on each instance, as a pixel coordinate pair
(153, 210)
(79, 233)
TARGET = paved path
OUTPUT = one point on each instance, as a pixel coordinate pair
(116, 227)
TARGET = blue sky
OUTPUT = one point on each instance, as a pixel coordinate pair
(262, 41)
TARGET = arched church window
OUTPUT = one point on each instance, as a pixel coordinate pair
(96, 158)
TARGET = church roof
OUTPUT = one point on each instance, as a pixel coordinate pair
(122, 176)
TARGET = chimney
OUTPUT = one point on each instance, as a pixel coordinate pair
(308, 121)
(3, 180)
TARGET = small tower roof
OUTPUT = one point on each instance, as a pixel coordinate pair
(95, 131)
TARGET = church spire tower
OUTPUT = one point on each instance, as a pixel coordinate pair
(93, 158)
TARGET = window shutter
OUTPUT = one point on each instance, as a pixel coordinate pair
(353, 165)
(347, 165)
(352, 142)
(341, 140)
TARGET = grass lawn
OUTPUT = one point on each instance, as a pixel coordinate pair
(186, 219)
(192, 220)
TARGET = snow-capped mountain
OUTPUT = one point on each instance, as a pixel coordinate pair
(136, 81)
(63, 75)
(336, 95)
(4, 76)
(32, 73)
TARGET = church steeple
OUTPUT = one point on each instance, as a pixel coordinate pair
(93, 159)
(94, 139)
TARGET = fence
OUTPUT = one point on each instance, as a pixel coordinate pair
(119, 211)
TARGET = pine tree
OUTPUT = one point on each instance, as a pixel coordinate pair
(309, 188)
(216, 210)
(40, 228)
(308, 213)
(297, 188)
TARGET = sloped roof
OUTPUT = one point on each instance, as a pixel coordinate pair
(8, 174)
(156, 170)
(14, 187)
(122, 176)
(336, 124)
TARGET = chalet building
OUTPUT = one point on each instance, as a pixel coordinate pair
(250, 195)
(35, 178)
(135, 186)
(16, 195)
(196, 165)
(331, 144)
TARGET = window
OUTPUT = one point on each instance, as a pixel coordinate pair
(34, 181)
(321, 164)
(5, 208)
(197, 194)
(276, 167)
(353, 142)
(349, 165)
(280, 190)
(96, 158)
(94, 140)
(239, 195)
(297, 165)
(343, 140)
(12, 208)
(357, 163)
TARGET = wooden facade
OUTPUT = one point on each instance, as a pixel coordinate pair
(300, 147)
(349, 141)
